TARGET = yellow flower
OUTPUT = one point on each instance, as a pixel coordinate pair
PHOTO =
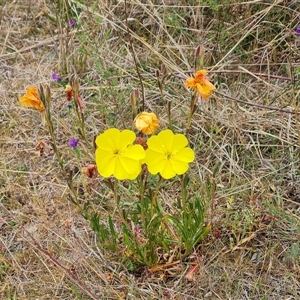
(201, 84)
(167, 154)
(116, 155)
(32, 99)
(146, 122)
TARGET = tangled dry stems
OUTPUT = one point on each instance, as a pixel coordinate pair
(48, 251)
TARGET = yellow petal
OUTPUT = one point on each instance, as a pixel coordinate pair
(204, 91)
(155, 143)
(179, 167)
(106, 139)
(105, 164)
(127, 168)
(156, 165)
(167, 171)
(185, 155)
(190, 82)
(179, 142)
(146, 122)
(32, 99)
(135, 152)
(200, 75)
(127, 137)
(116, 155)
(166, 140)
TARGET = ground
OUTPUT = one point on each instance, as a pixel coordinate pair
(245, 137)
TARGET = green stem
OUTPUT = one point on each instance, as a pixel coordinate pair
(54, 145)
(157, 188)
(59, 159)
(155, 203)
(134, 57)
(143, 203)
(182, 202)
(116, 196)
(192, 110)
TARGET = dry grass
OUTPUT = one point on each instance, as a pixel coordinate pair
(47, 249)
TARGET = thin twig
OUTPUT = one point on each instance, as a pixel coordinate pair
(134, 58)
(287, 111)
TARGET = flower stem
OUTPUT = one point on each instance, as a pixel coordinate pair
(116, 196)
(184, 183)
(193, 106)
(134, 56)
(157, 189)
(142, 186)
(168, 109)
(59, 159)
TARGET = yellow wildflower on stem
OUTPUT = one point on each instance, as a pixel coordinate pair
(168, 154)
(116, 155)
(201, 84)
(146, 122)
(203, 87)
(32, 99)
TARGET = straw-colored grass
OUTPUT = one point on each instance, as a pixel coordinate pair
(246, 139)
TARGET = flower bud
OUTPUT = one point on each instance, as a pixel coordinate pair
(90, 171)
(146, 122)
(69, 92)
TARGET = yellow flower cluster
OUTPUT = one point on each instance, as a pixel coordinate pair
(122, 154)
(167, 153)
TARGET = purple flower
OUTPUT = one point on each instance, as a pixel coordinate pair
(298, 30)
(72, 23)
(73, 142)
(55, 77)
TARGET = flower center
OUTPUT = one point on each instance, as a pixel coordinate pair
(169, 156)
(117, 152)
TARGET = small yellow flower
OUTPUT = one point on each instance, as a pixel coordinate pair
(168, 155)
(146, 122)
(32, 99)
(201, 84)
(116, 155)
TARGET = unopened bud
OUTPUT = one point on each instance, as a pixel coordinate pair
(157, 73)
(69, 92)
(133, 97)
(48, 94)
(76, 85)
(90, 171)
(199, 51)
(163, 70)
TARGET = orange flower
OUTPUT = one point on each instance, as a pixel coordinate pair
(32, 99)
(146, 122)
(201, 84)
